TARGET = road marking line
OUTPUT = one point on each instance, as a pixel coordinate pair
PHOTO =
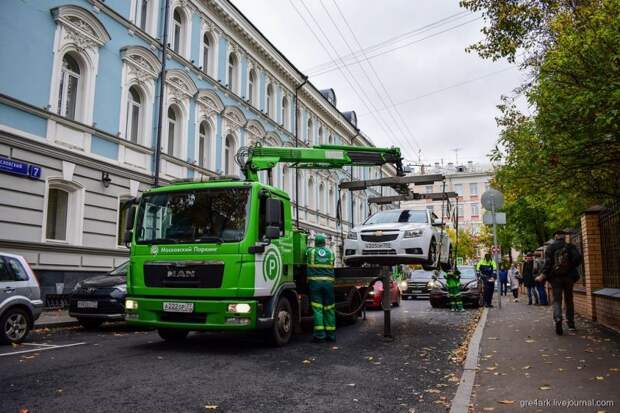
(34, 350)
(38, 344)
(460, 403)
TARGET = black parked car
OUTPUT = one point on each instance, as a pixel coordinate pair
(417, 284)
(471, 289)
(100, 298)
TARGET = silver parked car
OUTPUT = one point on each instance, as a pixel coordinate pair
(20, 298)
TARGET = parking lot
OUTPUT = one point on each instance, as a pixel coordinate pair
(119, 368)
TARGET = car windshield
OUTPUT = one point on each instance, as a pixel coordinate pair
(397, 216)
(121, 270)
(421, 275)
(467, 272)
(197, 216)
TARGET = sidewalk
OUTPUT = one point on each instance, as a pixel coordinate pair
(522, 360)
(55, 318)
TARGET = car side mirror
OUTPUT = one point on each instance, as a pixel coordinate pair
(437, 223)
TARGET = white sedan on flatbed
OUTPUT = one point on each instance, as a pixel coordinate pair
(399, 236)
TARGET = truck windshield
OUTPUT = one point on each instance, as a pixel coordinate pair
(196, 216)
(397, 216)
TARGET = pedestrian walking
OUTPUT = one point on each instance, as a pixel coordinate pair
(514, 276)
(528, 279)
(503, 280)
(539, 264)
(453, 282)
(561, 262)
(320, 273)
(487, 267)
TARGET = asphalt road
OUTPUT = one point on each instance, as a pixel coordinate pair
(118, 369)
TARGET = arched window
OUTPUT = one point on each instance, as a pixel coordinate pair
(64, 211)
(69, 87)
(173, 130)
(269, 102)
(284, 113)
(310, 197)
(232, 72)
(229, 155)
(135, 112)
(330, 139)
(206, 48)
(321, 206)
(251, 86)
(286, 180)
(300, 188)
(177, 30)
(331, 201)
(320, 135)
(309, 132)
(204, 132)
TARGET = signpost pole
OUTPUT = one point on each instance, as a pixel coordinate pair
(495, 257)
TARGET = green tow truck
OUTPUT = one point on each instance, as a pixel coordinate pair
(225, 254)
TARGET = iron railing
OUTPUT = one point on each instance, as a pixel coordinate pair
(609, 222)
(577, 241)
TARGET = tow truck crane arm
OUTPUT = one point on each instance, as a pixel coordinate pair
(258, 158)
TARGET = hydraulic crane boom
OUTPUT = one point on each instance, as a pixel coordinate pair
(258, 158)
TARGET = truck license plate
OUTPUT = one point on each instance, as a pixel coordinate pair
(179, 307)
(87, 304)
(378, 245)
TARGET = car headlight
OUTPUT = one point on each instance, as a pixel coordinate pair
(352, 235)
(403, 285)
(119, 291)
(241, 308)
(471, 285)
(371, 293)
(77, 286)
(434, 284)
(413, 233)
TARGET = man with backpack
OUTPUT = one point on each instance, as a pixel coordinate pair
(560, 269)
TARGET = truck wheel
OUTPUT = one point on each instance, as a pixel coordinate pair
(14, 326)
(90, 323)
(172, 334)
(282, 329)
(355, 300)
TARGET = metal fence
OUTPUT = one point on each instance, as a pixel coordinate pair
(609, 221)
(576, 240)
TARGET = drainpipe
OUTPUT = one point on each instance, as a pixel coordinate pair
(162, 86)
(297, 110)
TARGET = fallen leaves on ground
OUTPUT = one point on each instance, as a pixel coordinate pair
(488, 409)
(600, 378)
(529, 340)
(545, 387)
(211, 406)
(506, 401)
(526, 367)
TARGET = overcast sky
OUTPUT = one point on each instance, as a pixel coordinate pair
(413, 74)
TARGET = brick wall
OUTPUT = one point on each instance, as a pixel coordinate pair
(608, 311)
(579, 297)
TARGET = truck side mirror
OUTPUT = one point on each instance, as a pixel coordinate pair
(273, 213)
(131, 218)
(272, 232)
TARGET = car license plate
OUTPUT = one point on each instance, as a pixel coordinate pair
(87, 304)
(378, 245)
(416, 291)
(179, 307)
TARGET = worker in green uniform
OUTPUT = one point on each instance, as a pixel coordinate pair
(320, 273)
(453, 282)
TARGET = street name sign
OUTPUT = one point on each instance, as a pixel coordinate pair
(19, 168)
(500, 218)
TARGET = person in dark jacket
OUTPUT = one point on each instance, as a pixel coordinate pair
(539, 263)
(487, 268)
(503, 280)
(528, 279)
(560, 269)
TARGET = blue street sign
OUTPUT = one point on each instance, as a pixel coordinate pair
(19, 168)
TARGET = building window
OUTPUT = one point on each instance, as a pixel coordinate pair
(429, 189)
(331, 140)
(475, 210)
(320, 140)
(269, 101)
(331, 201)
(203, 144)
(134, 115)
(460, 211)
(206, 48)
(63, 211)
(309, 132)
(284, 113)
(69, 87)
(458, 188)
(232, 73)
(57, 204)
(473, 189)
(310, 197)
(229, 155)
(177, 30)
(251, 86)
(430, 208)
(173, 130)
(321, 207)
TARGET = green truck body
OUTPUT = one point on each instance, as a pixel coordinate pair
(222, 255)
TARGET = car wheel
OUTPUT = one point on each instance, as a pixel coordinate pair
(436, 303)
(15, 326)
(172, 334)
(355, 301)
(447, 266)
(282, 329)
(431, 261)
(90, 323)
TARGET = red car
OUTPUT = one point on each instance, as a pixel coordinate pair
(373, 300)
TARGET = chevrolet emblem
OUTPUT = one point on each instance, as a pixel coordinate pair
(378, 233)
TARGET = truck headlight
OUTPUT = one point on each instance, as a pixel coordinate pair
(241, 308)
(413, 233)
(131, 305)
(352, 235)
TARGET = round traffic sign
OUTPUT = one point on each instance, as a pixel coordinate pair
(492, 198)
